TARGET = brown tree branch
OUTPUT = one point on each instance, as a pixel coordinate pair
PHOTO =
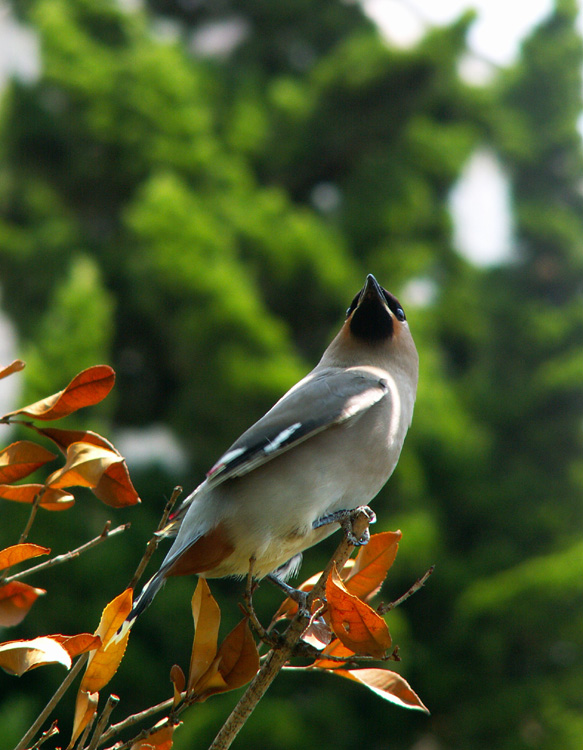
(105, 534)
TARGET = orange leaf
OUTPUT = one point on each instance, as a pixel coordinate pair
(22, 458)
(17, 657)
(51, 499)
(14, 366)
(386, 684)
(87, 388)
(64, 438)
(78, 644)
(16, 599)
(336, 648)
(356, 624)
(115, 487)
(372, 564)
(19, 552)
(103, 662)
(160, 740)
(84, 467)
(85, 708)
(207, 618)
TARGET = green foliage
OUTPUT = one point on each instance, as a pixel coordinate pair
(201, 222)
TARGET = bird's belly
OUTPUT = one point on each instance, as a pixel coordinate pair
(270, 512)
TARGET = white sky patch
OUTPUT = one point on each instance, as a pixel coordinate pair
(19, 49)
(480, 204)
(11, 386)
(495, 35)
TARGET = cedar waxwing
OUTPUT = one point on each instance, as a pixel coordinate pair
(327, 447)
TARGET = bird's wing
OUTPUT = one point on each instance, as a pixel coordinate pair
(318, 402)
(321, 400)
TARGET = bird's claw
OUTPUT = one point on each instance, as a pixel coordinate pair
(346, 519)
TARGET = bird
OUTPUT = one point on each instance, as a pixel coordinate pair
(325, 448)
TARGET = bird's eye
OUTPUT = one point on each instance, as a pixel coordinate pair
(399, 312)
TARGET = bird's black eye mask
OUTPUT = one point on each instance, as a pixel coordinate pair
(392, 302)
(370, 320)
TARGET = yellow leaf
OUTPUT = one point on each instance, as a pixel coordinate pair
(207, 618)
(17, 657)
(85, 708)
(85, 465)
(104, 661)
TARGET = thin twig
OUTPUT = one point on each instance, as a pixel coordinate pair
(32, 516)
(278, 657)
(134, 719)
(155, 540)
(419, 583)
(112, 702)
(105, 534)
(48, 709)
(51, 732)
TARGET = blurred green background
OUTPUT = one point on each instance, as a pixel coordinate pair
(200, 220)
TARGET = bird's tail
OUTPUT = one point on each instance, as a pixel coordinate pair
(141, 603)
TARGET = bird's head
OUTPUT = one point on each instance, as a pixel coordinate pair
(375, 330)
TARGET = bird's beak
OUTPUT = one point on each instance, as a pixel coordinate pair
(372, 292)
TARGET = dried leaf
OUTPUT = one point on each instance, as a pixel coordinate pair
(239, 658)
(22, 458)
(178, 680)
(104, 661)
(86, 389)
(17, 657)
(78, 644)
(207, 618)
(386, 684)
(85, 709)
(356, 624)
(115, 487)
(14, 366)
(19, 552)
(84, 467)
(51, 499)
(372, 564)
(16, 599)
(64, 438)
(160, 740)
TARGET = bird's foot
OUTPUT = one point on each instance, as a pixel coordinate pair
(346, 519)
(299, 597)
